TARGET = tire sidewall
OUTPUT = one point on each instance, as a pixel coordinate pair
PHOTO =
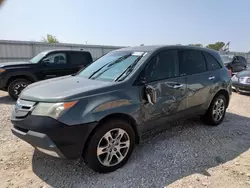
(12, 85)
(212, 107)
(90, 155)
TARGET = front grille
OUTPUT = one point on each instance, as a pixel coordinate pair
(23, 108)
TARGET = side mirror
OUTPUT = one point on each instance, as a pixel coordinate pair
(45, 61)
(151, 94)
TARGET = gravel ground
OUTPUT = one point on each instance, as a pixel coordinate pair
(189, 154)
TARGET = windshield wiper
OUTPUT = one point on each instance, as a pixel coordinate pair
(97, 70)
(128, 70)
(109, 65)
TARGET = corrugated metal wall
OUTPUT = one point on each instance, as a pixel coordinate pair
(23, 50)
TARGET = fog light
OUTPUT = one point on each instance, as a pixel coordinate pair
(48, 152)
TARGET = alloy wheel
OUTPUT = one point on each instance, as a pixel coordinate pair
(113, 147)
(218, 109)
(18, 88)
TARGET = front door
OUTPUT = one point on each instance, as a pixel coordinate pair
(165, 91)
(199, 80)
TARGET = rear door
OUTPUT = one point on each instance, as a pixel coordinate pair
(193, 66)
(165, 90)
(214, 70)
(54, 65)
(79, 60)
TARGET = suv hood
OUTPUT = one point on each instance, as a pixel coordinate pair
(243, 73)
(65, 88)
(11, 64)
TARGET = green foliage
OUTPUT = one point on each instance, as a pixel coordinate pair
(216, 46)
(50, 39)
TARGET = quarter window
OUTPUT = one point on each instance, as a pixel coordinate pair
(191, 62)
(164, 65)
(79, 58)
(212, 63)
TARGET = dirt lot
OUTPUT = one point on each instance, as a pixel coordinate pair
(188, 155)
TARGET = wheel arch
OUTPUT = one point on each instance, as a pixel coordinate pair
(121, 116)
(225, 93)
(29, 77)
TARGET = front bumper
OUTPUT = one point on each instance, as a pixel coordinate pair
(241, 87)
(51, 136)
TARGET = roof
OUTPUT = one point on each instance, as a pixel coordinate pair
(65, 50)
(158, 47)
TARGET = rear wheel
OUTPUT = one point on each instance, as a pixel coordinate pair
(16, 87)
(110, 146)
(216, 111)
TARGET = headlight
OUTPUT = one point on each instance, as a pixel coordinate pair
(2, 70)
(53, 110)
(244, 80)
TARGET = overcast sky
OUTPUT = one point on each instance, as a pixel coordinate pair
(130, 22)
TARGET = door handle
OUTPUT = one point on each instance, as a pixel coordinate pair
(211, 77)
(178, 86)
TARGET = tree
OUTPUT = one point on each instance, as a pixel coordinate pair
(50, 39)
(198, 45)
(216, 46)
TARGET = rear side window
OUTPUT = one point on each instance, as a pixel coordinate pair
(242, 60)
(164, 65)
(79, 58)
(212, 63)
(191, 62)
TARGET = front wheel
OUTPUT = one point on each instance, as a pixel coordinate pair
(216, 111)
(16, 86)
(110, 147)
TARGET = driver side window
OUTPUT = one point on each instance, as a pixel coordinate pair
(56, 58)
(163, 66)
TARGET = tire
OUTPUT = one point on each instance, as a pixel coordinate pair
(16, 86)
(210, 117)
(97, 162)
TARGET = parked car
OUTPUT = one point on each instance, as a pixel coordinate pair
(15, 76)
(234, 63)
(104, 110)
(241, 81)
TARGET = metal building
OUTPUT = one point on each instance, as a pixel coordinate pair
(24, 50)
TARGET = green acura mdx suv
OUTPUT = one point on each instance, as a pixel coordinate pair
(101, 112)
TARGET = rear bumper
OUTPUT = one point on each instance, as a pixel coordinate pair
(51, 136)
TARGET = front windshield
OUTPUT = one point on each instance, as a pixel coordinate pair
(110, 66)
(226, 58)
(38, 57)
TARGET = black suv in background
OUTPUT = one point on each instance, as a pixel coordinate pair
(15, 76)
(234, 63)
